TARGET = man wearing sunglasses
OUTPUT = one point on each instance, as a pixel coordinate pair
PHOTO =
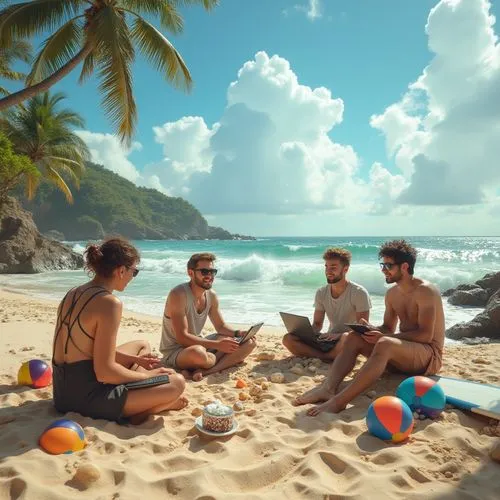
(187, 308)
(415, 350)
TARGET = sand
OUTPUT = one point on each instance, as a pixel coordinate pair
(277, 452)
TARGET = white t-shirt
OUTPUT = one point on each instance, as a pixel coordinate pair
(342, 310)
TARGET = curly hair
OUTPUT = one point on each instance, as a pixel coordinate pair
(338, 253)
(401, 251)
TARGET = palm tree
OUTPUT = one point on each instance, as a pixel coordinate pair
(102, 36)
(44, 134)
(18, 49)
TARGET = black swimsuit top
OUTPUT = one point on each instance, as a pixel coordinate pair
(70, 323)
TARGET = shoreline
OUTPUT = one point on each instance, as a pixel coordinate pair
(277, 450)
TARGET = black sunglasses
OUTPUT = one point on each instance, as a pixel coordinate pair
(135, 271)
(388, 265)
(205, 271)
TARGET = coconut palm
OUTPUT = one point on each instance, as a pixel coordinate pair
(103, 34)
(44, 133)
(18, 50)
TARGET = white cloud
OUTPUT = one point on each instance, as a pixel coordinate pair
(312, 9)
(107, 150)
(270, 152)
(444, 133)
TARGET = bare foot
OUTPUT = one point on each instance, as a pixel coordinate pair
(187, 374)
(178, 404)
(316, 394)
(197, 375)
(330, 406)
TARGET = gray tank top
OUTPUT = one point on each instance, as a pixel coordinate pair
(196, 321)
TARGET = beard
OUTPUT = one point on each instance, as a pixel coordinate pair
(332, 281)
(203, 284)
(393, 279)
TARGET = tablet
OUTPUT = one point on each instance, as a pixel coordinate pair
(359, 328)
(250, 333)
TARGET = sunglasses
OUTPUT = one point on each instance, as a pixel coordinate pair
(387, 265)
(135, 271)
(205, 272)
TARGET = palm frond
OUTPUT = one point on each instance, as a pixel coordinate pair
(169, 17)
(87, 68)
(161, 53)
(57, 50)
(27, 19)
(32, 182)
(13, 76)
(110, 34)
(56, 178)
(207, 4)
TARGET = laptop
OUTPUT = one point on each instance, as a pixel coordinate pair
(251, 332)
(301, 327)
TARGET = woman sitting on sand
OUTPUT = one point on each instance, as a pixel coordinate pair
(91, 374)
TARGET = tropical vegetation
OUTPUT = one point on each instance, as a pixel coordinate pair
(43, 131)
(109, 204)
(104, 36)
(13, 168)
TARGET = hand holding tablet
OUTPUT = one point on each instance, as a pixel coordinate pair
(359, 327)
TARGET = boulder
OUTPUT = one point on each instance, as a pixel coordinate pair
(24, 250)
(463, 287)
(476, 297)
(490, 281)
(485, 324)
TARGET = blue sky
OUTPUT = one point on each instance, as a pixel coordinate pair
(365, 160)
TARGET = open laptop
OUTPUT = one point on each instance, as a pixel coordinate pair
(251, 332)
(301, 327)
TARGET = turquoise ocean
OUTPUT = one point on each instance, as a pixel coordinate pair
(257, 279)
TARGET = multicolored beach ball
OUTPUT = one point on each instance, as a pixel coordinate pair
(63, 436)
(422, 394)
(35, 373)
(390, 419)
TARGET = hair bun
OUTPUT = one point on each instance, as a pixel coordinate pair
(93, 252)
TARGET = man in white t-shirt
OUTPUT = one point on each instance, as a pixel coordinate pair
(342, 301)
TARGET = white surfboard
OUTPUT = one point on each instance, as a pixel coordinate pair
(483, 399)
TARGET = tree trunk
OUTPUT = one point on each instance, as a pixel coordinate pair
(44, 85)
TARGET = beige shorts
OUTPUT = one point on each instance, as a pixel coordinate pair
(169, 359)
(425, 359)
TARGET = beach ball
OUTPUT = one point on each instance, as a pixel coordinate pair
(390, 419)
(62, 436)
(35, 373)
(422, 394)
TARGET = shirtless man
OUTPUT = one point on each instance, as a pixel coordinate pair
(186, 310)
(341, 300)
(415, 350)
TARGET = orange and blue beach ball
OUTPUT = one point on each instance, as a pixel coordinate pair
(63, 436)
(35, 373)
(423, 395)
(389, 418)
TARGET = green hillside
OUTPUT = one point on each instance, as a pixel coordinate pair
(109, 204)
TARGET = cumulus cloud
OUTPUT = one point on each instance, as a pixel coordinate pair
(443, 133)
(270, 152)
(107, 150)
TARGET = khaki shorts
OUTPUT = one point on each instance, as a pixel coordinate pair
(169, 359)
(425, 359)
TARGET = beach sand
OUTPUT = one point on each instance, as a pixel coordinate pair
(277, 452)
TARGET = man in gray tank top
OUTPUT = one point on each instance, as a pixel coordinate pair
(341, 300)
(187, 308)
